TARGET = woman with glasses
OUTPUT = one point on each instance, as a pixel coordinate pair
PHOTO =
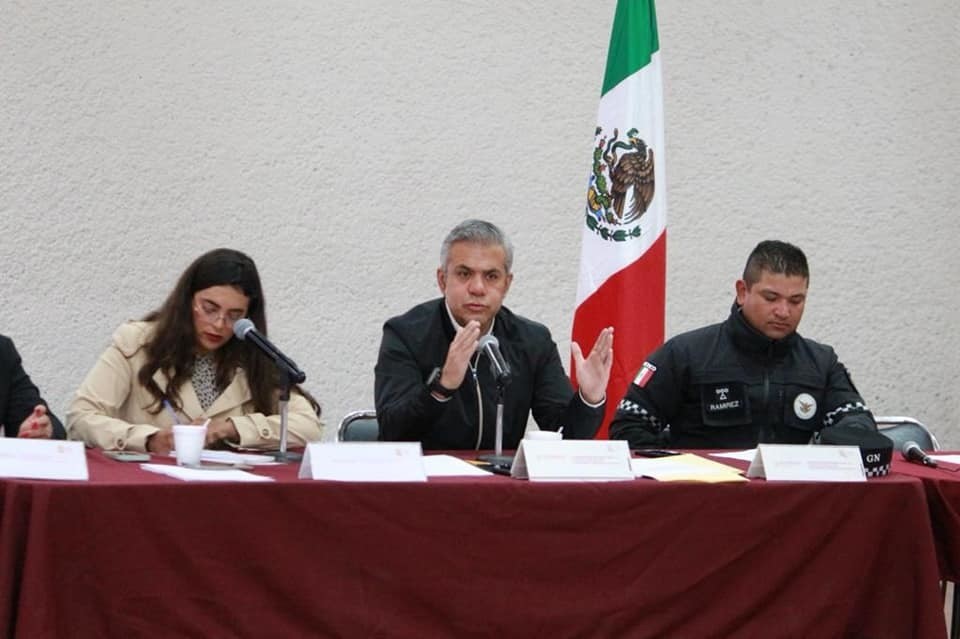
(182, 364)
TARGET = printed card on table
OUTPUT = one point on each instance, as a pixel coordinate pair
(42, 459)
(801, 462)
(572, 460)
(363, 461)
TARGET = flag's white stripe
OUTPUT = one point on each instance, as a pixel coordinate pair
(635, 102)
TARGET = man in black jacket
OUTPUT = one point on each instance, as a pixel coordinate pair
(23, 413)
(751, 379)
(432, 384)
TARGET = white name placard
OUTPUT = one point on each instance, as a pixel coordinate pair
(42, 459)
(784, 462)
(572, 460)
(363, 461)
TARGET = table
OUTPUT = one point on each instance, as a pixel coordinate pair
(942, 486)
(130, 553)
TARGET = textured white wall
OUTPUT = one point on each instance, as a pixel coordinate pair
(338, 141)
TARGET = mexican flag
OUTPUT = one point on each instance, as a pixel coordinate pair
(623, 253)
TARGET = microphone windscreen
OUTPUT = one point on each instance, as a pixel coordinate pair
(487, 339)
(242, 326)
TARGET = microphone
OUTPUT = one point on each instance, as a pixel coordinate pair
(246, 331)
(911, 451)
(501, 370)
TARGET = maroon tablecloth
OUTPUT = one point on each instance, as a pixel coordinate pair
(942, 485)
(132, 554)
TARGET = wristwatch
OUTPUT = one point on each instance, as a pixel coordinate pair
(433, 383)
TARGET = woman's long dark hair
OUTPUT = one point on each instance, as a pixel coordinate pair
(173, 347)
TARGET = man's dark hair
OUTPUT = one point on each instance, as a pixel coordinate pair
(777, 257)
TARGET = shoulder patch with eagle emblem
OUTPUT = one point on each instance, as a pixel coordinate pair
(804, 406)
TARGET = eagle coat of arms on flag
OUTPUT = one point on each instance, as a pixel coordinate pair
(627, 166)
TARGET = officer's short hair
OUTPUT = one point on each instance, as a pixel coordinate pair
(477, 232)
(777, 257)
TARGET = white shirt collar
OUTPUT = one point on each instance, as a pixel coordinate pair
(457, 325)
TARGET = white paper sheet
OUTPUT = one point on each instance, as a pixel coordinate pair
(742, 455)
(450, 466)
(230, 457)
(196, 474)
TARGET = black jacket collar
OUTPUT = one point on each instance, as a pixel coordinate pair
(750, 340)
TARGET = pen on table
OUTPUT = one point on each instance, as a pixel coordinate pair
(173, 413)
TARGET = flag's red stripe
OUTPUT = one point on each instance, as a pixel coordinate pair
(632, 301)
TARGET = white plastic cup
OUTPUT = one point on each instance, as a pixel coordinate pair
(543, 435)
(188, 441)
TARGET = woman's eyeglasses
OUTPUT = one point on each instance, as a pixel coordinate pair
(211, 312)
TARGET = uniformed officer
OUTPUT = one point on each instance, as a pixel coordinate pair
(750, 379)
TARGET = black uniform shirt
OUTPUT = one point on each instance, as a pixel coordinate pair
(729, 386)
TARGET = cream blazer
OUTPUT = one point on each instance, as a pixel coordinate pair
(110, 409)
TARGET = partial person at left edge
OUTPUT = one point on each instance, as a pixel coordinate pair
(23, 413)
(182, 364)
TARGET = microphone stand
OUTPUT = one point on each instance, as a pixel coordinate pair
(498, 433)
(287, 376)
(498, 459)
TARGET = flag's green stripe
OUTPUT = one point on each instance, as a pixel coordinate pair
(632, 41)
